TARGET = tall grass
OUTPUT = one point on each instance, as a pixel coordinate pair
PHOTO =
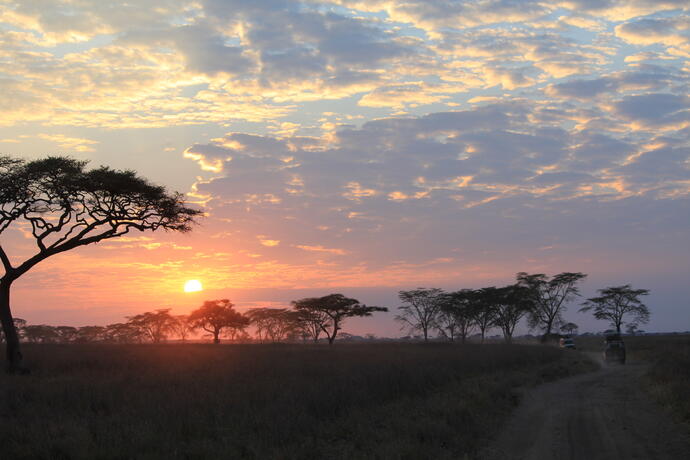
(668, 378)
(266, 401)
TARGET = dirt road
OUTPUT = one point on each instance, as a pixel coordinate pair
(600, 415)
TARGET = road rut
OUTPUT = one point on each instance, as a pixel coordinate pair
(599, 415)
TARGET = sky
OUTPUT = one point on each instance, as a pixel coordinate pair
(360, 147)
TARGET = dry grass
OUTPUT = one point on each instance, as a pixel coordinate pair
(263, 401)
(668, 378)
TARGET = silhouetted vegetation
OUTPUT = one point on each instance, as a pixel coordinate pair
(331, 311)
(616, 303)
(420, 309)
(66, 206)
(216, 316)
(549, 297)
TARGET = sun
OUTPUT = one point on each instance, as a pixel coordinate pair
(193, 286)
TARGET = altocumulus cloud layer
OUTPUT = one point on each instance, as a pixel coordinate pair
(360, 143)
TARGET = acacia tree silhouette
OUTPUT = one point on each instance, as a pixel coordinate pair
(550, 297)
(215, 315)
(511, 303)
(616, 302)
(420, 309)
(333, 309)
(154, 325)
(67, 206)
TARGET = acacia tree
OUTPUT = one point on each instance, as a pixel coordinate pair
(91, 334)
(335, 309)
(420, 309)
(40, 333)
(66, 206)
(615, 303)
(182, 327)
(310, 323)
(456, 315)
(512, 303)
(550, 297)
(154, 325)
(215, 315)
(123, 333)
(273, 323)
(569, 328)
(67, 334)
(484, 309)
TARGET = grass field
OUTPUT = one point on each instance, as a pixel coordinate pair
(261, 401)
(668, 378)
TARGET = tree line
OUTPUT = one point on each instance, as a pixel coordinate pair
(453, 315)
(541, 299)
(309, 319)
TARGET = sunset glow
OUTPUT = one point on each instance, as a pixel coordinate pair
(360, 146)
(193, 286)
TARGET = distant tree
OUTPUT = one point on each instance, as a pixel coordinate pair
(512, 304)
(154, 325)
(91, 334)
(550, 297)
(420, 309)
(65, 206)
(309, 324)
(40, 333)
(484, 310)
(569, 328)
(182, 327)
(66, 334)
(214, 316)
(274, 324)
(123, 333)
(337, 308)
(456, 315)
(616, 303)
(631, 328)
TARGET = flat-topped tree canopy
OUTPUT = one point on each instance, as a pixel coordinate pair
(329, 312)
(67, 206)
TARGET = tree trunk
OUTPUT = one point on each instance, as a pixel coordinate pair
(336, 328)
(216, 333)
(15, 363)
(426, 335)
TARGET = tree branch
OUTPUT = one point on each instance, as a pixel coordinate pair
(5, 261)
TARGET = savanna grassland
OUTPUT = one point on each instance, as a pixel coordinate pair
(381, 400)
(668, 378)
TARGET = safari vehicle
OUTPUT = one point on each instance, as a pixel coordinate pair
(614, 351)
(567, 342)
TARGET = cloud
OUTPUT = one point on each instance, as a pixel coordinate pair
(656, 109)
(648, 31)
(70, 143)
(412, 187)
